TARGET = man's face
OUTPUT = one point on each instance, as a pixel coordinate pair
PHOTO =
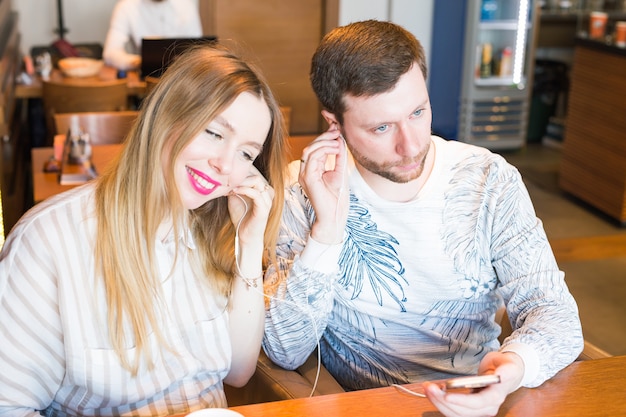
(389, 134)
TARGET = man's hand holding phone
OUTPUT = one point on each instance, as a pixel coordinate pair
(471, 382)
(482, 394)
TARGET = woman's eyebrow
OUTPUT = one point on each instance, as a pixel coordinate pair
(225, 123)
(256, 145)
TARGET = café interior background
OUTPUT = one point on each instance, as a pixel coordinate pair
(88, 21)
(598, 284)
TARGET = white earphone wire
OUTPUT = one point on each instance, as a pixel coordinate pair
(296, 305)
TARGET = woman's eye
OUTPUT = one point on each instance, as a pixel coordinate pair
(248, 156)
(214, 135)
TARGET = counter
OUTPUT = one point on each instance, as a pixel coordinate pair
(593, 165)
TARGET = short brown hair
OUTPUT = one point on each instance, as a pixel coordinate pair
(362, 59)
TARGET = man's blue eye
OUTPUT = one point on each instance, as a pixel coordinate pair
(382, 128)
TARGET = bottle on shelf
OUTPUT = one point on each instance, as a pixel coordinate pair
(506, 62)
(486, 61)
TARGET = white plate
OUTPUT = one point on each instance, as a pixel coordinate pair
(80, 67)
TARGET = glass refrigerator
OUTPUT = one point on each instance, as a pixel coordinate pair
(480, 76)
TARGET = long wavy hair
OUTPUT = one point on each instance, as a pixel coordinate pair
(137, 193)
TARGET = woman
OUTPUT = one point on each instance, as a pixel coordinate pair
(125, 296)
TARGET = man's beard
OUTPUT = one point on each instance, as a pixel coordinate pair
(386, 171)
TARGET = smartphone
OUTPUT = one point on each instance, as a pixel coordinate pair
(476, 381)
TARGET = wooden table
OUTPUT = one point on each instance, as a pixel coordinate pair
(585, 388)
(136, 87)
(46, 184)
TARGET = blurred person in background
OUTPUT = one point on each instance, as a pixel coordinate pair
(133, 20)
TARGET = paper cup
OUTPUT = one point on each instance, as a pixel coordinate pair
(59, 144)
(597, 24)
(214, 412)
(620, 34)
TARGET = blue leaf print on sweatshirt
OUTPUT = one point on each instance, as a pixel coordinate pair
(368, 255)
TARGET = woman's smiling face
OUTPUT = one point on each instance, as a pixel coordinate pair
(220, 157)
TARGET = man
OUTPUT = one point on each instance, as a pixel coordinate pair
(398, 258)
(133, 20)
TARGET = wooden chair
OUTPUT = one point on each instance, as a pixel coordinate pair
(590, 351)
(151, 82)
(286, 111)
(65, 97)
(103, 127)
(270, 382)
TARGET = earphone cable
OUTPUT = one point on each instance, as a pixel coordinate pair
(296, 305)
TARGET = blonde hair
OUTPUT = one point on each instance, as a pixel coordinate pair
(137, 194)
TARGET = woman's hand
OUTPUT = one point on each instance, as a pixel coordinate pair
(485, 401)
(325, 184)
(249, 206)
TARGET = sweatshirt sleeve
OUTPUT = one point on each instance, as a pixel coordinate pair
(118, 36)
(301, 289)
(543, 313)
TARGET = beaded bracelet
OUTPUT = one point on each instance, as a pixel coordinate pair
(251, 282)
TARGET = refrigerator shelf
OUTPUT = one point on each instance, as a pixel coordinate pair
(498, 25)
(499, 81)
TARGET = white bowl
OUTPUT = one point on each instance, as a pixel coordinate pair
(214, 412)
(80, 67)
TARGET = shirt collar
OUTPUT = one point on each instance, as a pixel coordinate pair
(186, 237)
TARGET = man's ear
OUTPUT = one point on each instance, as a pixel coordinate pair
(330, 119)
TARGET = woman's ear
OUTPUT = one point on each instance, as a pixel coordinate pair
(330, 119)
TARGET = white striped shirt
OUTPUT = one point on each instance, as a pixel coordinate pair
(55, 353)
